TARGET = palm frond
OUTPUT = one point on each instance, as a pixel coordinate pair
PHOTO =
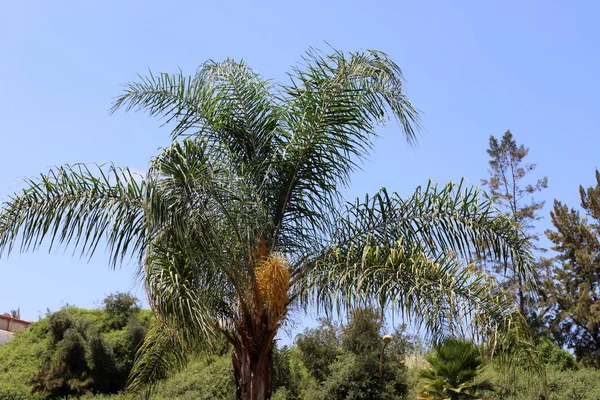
(218, 213)
(163, 352)
(414, 254)
(76, 205)
(445, 297)
(194, 295)
(329, 115)
(226, 103)
(454, 218)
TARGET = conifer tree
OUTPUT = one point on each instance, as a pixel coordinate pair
(509, 188)
(574, 287)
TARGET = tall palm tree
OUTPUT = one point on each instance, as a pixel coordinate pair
(242, 217)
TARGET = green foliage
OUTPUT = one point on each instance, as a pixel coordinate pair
(282, 393)
(282, 370)
(572, 384)
(319, 348)
(257, 169)
(350, 367)
(582, 384)
(573, 287)
(507, 171)
(70, 352)
(68, 372)
(21, 359)
(86, 361)
(120, 308)
(58, 324)
(350, 376)
(551, 354)
(362, 334)
(14, 313)
(454, 366)
(203, 378)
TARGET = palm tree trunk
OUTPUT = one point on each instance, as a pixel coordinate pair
(252, 369)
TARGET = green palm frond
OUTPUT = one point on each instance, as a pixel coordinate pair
(178, 292)
(414, 254)
(328, 122)
(164, 351)
(452, 218)
(453, 367)
(78, 205)
(226, 103)
(443, 295)
(219, 212)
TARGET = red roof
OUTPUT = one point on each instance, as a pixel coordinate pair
(15, 319)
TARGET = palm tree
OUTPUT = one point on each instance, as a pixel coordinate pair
(14, 313)
(453, 367)
(242, 218)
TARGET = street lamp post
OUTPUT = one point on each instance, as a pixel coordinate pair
(385, 341)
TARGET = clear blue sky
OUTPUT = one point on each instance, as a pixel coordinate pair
(474, 68)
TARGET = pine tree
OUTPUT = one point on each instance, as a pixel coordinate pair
(507, 185)
(574, 287)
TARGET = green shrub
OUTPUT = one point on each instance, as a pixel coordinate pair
(582, 384)
(204, 378)
(344, 362)
(119, 309)
(553, 355)
(562, 380)
(71, 352)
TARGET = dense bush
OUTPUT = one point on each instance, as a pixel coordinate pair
(74, 352)
(571, 384)
(552, 355)
(328, 362)
(319, 348)
(344, 362)
(204, 378)
(120, 308)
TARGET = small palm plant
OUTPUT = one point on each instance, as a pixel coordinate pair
(453, 367)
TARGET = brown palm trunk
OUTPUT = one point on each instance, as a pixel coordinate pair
(261, 310)
(252, 369)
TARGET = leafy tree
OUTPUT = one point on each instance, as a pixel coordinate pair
(83, 356)
(68, 372)
(453, 367)
(319, 348)
(362, 334)
(204, 378)
(120, 309)
(58, 323)
(242, 216)
(554, 356)
(367, 368)
(508, 188)
(357, 367)
(574, 287)
(282, 372)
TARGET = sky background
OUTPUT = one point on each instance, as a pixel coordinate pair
(473, 68)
